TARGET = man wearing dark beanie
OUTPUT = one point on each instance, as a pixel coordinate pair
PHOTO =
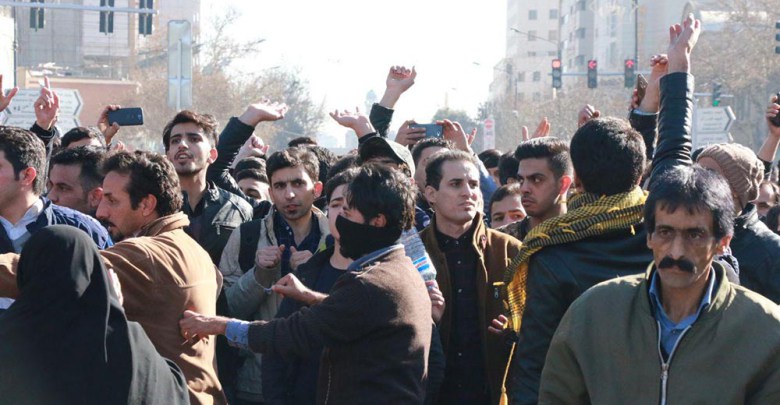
(754, 245)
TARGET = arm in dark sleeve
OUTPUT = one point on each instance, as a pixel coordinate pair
(230, 141)
(674, 123)
(336, 320)
(544, 307)
(380, 118)
(43, 134)
(647, 126)
(767, 168)
(436, 366)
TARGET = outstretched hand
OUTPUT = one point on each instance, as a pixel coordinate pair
(264, 110)
(109, 129)
(772, 111)
(5, 100)
(355, 121)
(400, 78)
(47, 106)
(453, 132)
(682, 40)
(194, 326)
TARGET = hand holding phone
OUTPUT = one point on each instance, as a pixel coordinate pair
(776, 121)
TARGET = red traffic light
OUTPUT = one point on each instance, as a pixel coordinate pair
(556, 63)
(593, 64)
(630, 63)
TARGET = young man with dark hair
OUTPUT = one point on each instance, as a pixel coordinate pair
(609, 334)
(23, 211)
(544, 174)
(302, 141)
(254, 183)
(75, 179)
(506, 207)
(507, 169)
(82, 136)
(375, 324)
(190, 141)
(470, 260)
(264, 250)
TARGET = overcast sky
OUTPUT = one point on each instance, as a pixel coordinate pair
(344, 48)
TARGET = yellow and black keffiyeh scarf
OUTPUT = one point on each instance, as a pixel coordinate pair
(588, 215)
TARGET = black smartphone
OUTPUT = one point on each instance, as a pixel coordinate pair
(776, 121)
(126, 116)
(431, 130)
(641, 86)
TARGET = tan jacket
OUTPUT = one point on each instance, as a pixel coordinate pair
(163, 272)
(494, 252)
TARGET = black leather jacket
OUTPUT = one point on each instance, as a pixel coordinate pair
(218, 213)
(557, 275)
(757, 249)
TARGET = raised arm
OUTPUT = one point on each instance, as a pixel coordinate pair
(769, 147)
(399, 79)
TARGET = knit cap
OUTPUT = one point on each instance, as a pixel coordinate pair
(741, 168)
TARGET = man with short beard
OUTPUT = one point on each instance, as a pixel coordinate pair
(190, 141)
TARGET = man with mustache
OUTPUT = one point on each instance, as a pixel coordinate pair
(190, 141)
(470, 260)
(674, 321)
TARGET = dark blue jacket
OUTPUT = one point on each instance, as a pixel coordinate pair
(53, 214)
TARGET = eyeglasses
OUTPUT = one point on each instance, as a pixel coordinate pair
(690, 237)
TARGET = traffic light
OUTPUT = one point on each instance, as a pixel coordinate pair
(593, 74)
(36, 16)
(107, 17)
(716, 94)
(629, 72)
(777, 37)
(145, 20)
(557, 74)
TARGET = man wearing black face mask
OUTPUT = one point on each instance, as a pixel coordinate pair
(376, 323)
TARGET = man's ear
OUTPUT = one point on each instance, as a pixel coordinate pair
(94, 196)
(317, 189)
(723, 244)
(148, 205)
(213, 155)
(27, 176)
(565, 182)
(380, 221)
(430, 194)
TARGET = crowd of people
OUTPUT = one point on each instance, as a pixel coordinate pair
(621, 266)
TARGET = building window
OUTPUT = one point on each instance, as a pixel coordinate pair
(531, 35)
(581, 5)
(553, 13)
(521, 77)
(552, 35)
(537, 96)
(580, 33)
(531, 54)
(532, 14)
(552, 53)
(537, 76)
(580, 60)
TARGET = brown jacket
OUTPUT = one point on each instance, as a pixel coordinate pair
(163, 271)
(494, 252)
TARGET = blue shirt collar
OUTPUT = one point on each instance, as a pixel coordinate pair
(660, 314)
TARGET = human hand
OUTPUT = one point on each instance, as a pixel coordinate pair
(194, 326)
(268, 257)
(682, 40)
(499, 325)
(298, 258)
(400, 78)
(587, 113)
(109, 129)
(772, 111)
(47, 106)
(453, 132)
(355, 121)
(253, 147)
(5, 100)
(289, 286)
(651, 103)
(263, 110)
(437, 300)
(407, 136)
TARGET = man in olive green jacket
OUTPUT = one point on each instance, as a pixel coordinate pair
(680, 334)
